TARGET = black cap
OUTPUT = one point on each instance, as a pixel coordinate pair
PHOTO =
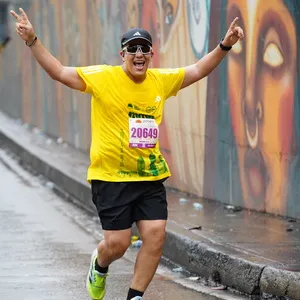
(136, 33)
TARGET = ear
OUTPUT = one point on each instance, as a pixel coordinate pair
(122, 54)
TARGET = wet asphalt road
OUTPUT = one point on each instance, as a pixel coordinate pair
(45, 246)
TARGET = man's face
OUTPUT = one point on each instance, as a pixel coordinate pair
(136, 57)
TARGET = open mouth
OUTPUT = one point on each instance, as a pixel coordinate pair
(139, 65)
(252, 135)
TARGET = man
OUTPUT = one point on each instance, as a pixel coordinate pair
(127, 169)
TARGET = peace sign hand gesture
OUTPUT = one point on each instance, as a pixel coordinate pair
(233, 34)
(23, 26)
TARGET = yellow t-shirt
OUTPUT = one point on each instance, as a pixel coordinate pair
(124, 118)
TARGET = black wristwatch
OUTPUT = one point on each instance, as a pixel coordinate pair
(224, 48)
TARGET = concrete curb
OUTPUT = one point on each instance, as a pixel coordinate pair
(197, 257)
(209, 263)
(244, 276)
(280, 283)
(63, 181)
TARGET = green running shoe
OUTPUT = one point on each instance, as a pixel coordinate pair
(95, 282)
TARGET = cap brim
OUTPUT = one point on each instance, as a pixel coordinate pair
(136, 38)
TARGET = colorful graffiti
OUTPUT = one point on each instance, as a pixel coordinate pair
(261, 86)
(262, 105)
(232, 137)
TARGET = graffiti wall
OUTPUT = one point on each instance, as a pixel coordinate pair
(232, 137)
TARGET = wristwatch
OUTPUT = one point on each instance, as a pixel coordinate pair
(32, 43)
(224, 48)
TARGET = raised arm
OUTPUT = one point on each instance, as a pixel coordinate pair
(66, 75)
(209, 62)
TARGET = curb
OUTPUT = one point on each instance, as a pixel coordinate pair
(196, 257)
(200, 259)
(65, 184)
(280, 283)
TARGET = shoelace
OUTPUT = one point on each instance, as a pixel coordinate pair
(93, 275)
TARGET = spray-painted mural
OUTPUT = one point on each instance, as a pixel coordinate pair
(232, 137)
(260, 99)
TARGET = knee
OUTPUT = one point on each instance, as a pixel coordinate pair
(154, 239)
(117, 247)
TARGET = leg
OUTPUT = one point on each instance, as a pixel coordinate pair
(113, 246)
(150, 213)
(152, 233)
(115, 214)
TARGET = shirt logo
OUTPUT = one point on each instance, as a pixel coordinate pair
(137, 34)
(157, 99)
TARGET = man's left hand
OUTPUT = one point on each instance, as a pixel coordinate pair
(233, 34)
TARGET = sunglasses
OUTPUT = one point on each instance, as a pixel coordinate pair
(145, 49)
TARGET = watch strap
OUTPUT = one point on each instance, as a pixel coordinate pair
(223, 47)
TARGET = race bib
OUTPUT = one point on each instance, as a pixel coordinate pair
(143, 133)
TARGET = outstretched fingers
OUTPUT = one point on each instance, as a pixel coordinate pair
(22, 17)
(235, 30)
(15, 15)
(233, 24)
(23, 14)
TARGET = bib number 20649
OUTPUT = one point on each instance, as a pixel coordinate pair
(143, 133)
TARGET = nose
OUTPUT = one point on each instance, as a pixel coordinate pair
(249, 108)
(139, 52)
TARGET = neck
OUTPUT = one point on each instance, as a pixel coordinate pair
(135, 79)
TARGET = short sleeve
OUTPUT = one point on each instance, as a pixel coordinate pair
(94, 77)
(172, 80)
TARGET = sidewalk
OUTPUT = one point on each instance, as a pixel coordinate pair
(250, 252)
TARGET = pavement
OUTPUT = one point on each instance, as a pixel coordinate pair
(46, 245)
(253, 253)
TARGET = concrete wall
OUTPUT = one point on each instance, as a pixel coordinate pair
(233, 137)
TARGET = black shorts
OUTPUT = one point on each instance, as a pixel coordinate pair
(120, 204)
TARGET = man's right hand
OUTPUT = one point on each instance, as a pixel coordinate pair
(66, 75)
(23, 26)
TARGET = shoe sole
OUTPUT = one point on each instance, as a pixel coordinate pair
(95, 252)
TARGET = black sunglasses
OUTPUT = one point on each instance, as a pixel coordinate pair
(145, 49)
